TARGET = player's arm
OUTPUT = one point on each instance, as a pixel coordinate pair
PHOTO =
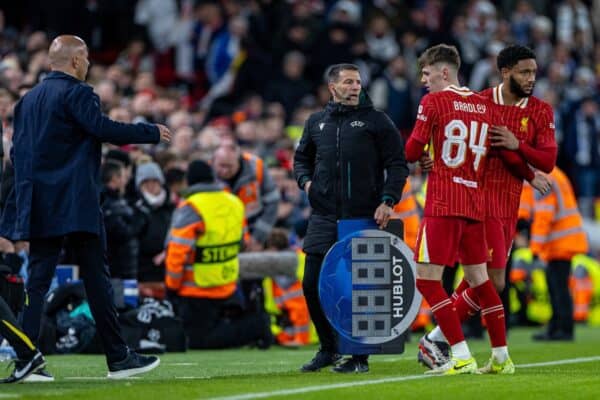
(543, 155)
(304, 158)
(421, 133)
(516, 164)
(542, 158)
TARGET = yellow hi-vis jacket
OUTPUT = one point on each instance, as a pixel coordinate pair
(204, 242)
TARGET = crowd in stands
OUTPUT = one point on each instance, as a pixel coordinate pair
(252, 70)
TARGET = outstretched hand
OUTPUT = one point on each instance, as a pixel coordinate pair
(165, 133)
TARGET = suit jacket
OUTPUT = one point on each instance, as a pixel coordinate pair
(58, 133)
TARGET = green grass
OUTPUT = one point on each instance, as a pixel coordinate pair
(209, 374)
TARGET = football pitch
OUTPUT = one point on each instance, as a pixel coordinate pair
(547, 370)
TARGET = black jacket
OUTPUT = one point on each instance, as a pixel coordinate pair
(152, 238)
(122, 229)
(354, 156)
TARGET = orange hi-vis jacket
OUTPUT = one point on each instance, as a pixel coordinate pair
(407, 210)
(527, 202)
(204, 242)
(285, 299)
(259, 193)
(288, 296)
(557, 228)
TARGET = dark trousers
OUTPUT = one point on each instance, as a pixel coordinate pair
(11, 331)
(557, 277)
(208, 326)
(310, 286)
(89, 253)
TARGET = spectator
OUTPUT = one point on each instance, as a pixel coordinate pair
(393, 93)
(381, 40)
(154, 203)
(583, 143)
(248, 178)
(121, 223)
(175, 183)
(289, 88)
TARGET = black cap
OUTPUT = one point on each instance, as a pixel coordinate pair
(199, 172)
(119, 155)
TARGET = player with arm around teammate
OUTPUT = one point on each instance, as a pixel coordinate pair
(454, 121)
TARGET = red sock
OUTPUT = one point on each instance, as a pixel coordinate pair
(462, 286)
(467, 305)
(492, 312)
(442, 309)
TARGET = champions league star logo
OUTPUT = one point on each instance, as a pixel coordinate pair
(367, 288)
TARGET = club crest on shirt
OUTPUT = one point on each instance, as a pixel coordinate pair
(524, 122)
(357, 124)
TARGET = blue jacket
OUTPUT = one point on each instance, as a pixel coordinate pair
(58, 133)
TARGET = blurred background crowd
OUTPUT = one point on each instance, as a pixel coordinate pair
(251, 71)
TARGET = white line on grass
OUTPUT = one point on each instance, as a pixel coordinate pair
(343, 385)
(9, 396)
(182, 364)
(561, 362)
(96, 378)
(193, 377)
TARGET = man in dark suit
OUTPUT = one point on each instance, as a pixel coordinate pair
(58, 133)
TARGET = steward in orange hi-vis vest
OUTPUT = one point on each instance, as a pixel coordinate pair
(247, 176)
(557, 229)
(557, 235)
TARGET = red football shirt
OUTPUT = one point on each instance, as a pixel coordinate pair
(532, 121)
(455, 123)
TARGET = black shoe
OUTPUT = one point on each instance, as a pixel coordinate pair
(40, 375)
(321, 360)
(554, 336)
(352, 364)
(24, 368)
(133, 364)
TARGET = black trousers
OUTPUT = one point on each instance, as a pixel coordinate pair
(310, 286)
(557, 277)
(208, 326)
(89, 253)
(11, 331)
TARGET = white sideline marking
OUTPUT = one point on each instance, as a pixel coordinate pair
(182, 364)
(309, 389)
(561, 362)
(193, 377)
(9, 396)
(94, 378)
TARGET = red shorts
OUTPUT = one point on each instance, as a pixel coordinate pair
(445, 240)
(499, 233)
